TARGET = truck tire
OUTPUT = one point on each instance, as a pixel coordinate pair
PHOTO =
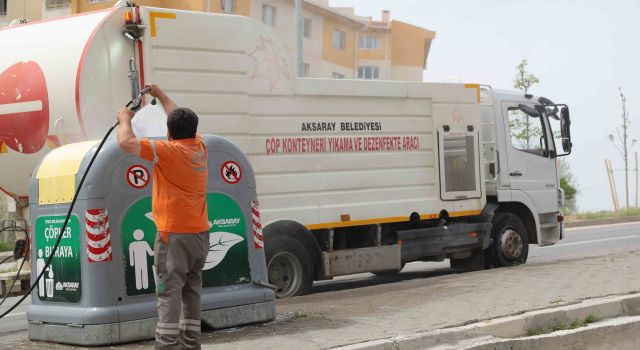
(473, 263)
(289, 267)
(510, 242)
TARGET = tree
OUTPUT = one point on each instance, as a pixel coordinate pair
(524, 80)
(522, 128)
(624, 145)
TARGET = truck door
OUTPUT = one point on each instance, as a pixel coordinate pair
(531, 169)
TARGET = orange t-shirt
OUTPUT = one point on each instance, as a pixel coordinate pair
(179, 195)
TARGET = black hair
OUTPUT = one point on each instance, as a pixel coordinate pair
(182, 123)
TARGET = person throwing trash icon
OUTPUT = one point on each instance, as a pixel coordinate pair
(138, 252)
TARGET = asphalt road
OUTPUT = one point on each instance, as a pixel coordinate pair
(578, 243)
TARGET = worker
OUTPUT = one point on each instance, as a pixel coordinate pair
(179, 210)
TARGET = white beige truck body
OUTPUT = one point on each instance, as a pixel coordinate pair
(327, 154)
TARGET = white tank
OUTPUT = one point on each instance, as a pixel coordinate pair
(54, 87)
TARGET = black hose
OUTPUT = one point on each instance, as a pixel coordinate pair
(5, 259)
(135, 101)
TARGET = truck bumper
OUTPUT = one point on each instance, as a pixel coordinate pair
(455, 240)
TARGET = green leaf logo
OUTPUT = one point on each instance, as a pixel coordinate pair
(219, 245)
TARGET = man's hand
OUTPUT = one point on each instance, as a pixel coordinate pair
(168, 105)
(155, 90)
(125, 114)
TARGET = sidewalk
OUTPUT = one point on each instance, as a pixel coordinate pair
(326, 320)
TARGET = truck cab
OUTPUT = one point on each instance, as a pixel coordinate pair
(524, 136)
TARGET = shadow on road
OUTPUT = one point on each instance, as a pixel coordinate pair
(370, 280)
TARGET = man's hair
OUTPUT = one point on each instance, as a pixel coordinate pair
(182, 123)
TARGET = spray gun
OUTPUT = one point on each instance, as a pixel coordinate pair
(136, 94)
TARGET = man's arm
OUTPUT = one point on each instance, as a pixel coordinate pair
(127, 140)
(168, 104)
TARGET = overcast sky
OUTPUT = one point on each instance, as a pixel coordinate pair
(581, 51)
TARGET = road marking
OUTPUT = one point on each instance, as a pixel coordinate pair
(16, 314)
(21, 107)
(601, 226)
(591, 241)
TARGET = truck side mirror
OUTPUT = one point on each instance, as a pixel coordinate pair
(565, 129)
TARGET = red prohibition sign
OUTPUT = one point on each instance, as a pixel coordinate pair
(138, 176)
(231, 172)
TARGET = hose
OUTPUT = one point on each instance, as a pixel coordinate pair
(136, 103)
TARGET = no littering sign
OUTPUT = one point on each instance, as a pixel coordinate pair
(138, 176)
(231, 172)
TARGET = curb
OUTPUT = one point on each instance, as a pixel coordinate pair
(597, 222)
(504, 329)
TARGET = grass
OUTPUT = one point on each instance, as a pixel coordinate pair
(593, 215)
(591, 318)
(7, 247)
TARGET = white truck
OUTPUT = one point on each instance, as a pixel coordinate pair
(353, 176)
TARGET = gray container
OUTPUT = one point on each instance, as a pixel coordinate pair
(100, 288)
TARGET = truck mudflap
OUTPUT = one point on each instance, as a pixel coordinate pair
(446, 240)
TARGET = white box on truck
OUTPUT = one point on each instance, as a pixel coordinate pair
(352, 175)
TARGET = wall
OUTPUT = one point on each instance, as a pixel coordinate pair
(345, 58)
(79, 6)
(29, 9)
(242, 7)
(406, 73)
(409, 46)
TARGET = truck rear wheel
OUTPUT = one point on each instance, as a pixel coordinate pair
(510, 242)
(289, 267)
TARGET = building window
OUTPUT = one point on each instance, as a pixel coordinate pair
(228, 6)
(369, 42)
(369, 73)
(3, 7)
(307, 28)
(306, 70)
(54, 4)
(269, 14)
(339, 38)
(335, 75)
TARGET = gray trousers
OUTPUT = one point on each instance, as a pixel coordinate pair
(178, 279)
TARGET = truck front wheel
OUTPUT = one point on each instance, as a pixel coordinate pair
(289, 267)
(510, 242)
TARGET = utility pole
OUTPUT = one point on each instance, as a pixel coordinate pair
(636, 179)
(612, 184)
(299, 29)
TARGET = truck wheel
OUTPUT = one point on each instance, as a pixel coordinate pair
(510, 242)
(289, 267)
(473, 263)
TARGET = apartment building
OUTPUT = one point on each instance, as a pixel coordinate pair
(32, 10)
(336, 42)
